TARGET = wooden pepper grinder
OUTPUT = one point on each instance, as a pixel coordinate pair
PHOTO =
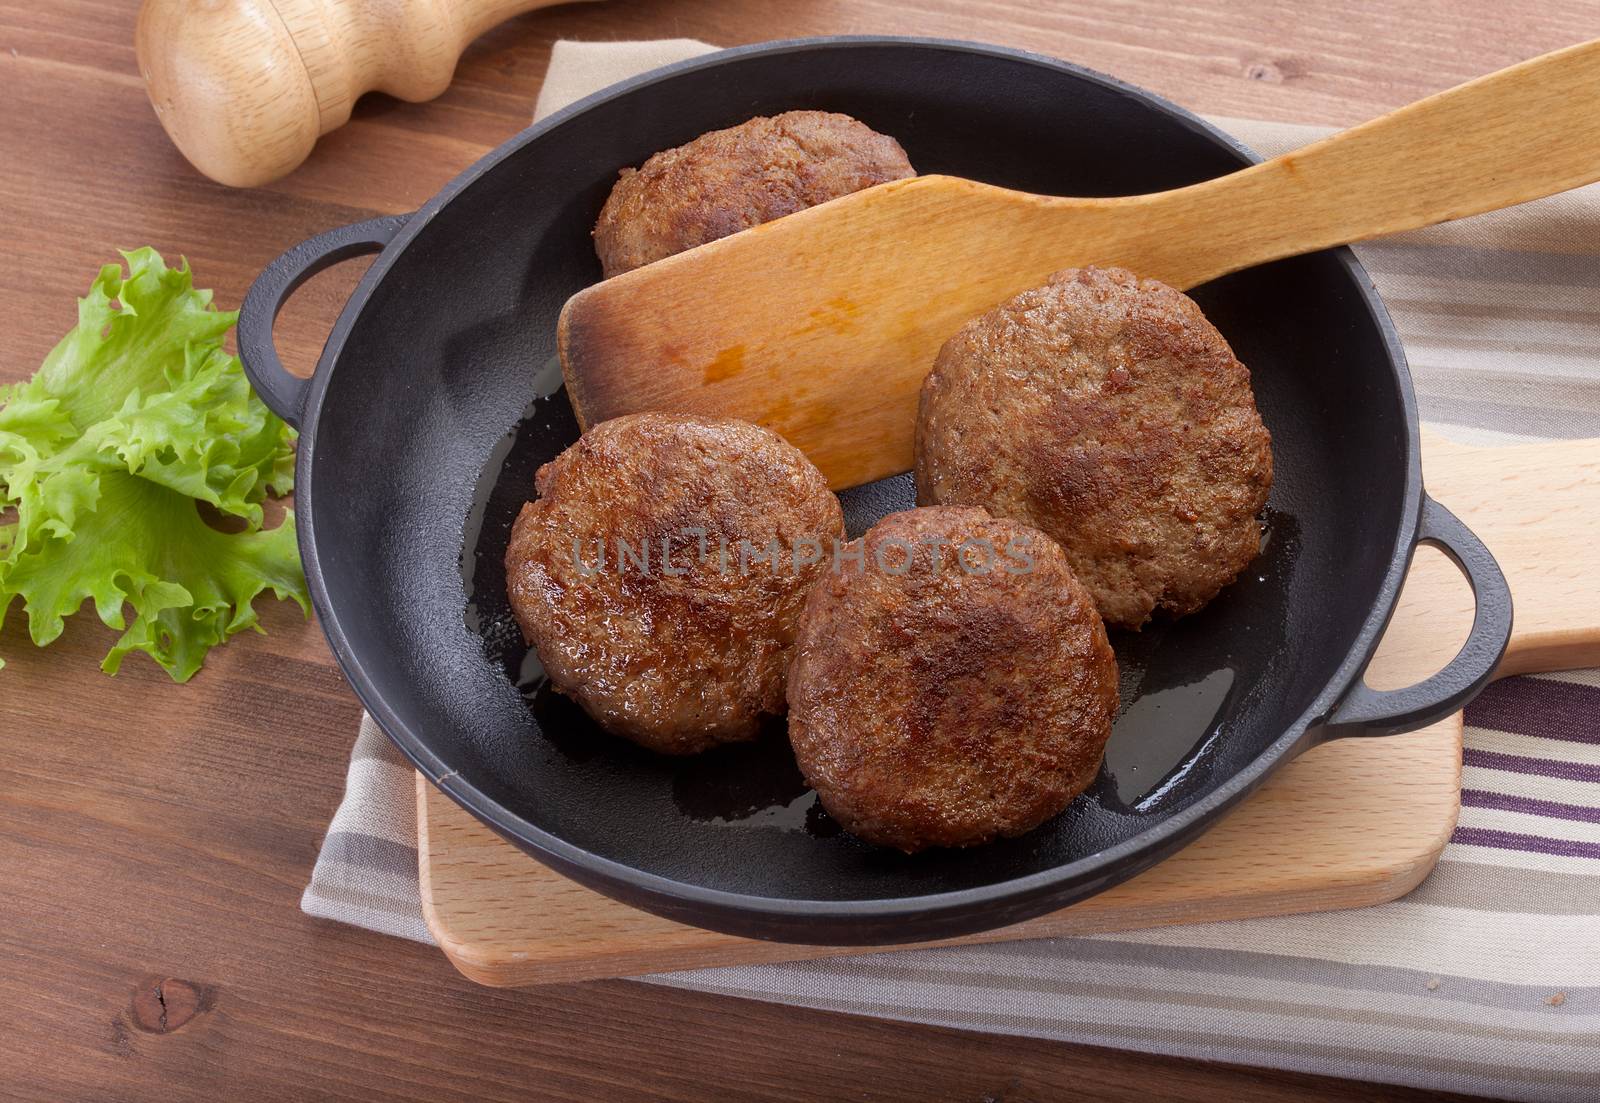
(245, 87)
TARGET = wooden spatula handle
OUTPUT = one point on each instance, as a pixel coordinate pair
(1522, 133)
(245, 87)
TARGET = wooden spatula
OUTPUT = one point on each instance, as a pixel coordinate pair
(822, 324)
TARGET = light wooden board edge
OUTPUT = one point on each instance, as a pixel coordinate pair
(503, 919)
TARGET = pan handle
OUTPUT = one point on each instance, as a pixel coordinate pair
(283, 393)
(1366, 711)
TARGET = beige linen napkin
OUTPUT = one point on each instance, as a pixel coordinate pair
(1484, 980)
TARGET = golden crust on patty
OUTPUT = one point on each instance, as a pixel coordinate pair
(730, 180)
(661, 637)
(944, 704)
(1106, 410)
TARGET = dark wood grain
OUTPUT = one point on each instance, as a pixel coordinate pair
(154, 839)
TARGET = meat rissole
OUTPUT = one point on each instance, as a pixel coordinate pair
(730, 180)
(1106, 410)
(944, 704)
(616, 574)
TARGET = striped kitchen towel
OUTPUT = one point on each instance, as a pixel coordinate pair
(1485, 980)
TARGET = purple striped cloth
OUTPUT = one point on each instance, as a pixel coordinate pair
(1485, 980)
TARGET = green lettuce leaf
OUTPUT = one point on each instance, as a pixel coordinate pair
(136, 418)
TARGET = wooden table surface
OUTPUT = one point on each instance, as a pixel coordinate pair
(154, 832)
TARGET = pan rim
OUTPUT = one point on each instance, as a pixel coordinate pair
(853, 921)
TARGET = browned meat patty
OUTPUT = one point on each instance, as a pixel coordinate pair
(730, 180)
(644, 574)
(1106, 410)
(933, 702)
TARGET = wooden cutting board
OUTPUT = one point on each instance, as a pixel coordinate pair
(1350, 823)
